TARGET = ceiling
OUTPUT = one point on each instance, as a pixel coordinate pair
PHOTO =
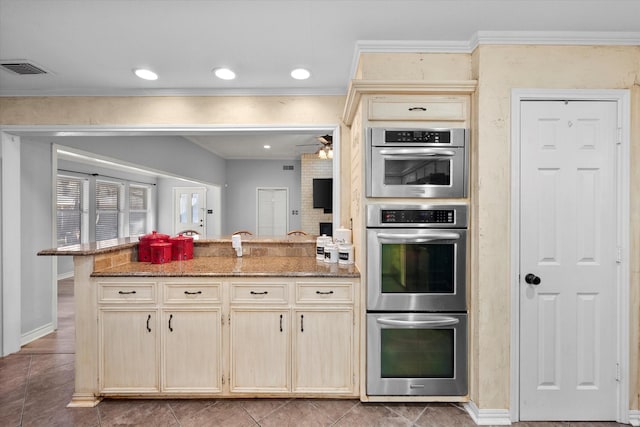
(90, 47)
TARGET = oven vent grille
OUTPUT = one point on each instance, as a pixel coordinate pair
(22, 68)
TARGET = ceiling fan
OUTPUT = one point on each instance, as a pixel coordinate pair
(326, 151)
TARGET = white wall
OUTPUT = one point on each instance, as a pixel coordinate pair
(244, 176)
(37, 283)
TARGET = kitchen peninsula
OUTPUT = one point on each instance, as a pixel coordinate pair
(275, 322)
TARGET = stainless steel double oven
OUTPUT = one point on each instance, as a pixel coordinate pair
(416, 299)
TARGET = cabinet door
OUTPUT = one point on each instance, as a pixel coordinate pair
(323, 351)
(191, 357)
(128, 350)
(259, 350)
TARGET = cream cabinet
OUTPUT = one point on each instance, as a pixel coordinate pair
(147, 346)
(129, 353)
(227, 337)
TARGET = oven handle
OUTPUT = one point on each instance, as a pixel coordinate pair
(417, 238)
(429, 152)
(439, 321)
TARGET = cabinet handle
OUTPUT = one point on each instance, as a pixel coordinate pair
(148, 320)
(281, 323)
(126, 292)
(170, 318)
(258, 293)
(324, 293)
(417, 109)
(192, 293)
(302, 323)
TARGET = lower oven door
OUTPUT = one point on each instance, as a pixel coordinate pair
(418, 354)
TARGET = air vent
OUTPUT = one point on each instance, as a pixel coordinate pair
(22, 68)
(287, 167)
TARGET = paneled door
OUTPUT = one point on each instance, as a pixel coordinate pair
(568, 261)
(189, 210)
(272, 213)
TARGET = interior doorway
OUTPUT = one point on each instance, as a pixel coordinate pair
(272, 217)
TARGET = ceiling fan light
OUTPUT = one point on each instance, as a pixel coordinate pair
(322, 154)
(300, 74)
(330, 153)
(224, 73)
(145, 74)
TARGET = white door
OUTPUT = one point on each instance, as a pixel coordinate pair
(189, 210)
(272, 211)
(568, 327)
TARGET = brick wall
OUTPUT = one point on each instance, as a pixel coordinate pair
(312, 167)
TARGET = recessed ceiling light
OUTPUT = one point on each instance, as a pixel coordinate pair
(267, 147)
(300, 74)
(145, 74)
(224, 74)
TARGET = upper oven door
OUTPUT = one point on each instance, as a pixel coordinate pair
(427, 163)
(416, 269)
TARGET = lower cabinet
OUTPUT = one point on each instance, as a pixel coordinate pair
(129, 353)
(191, 352)
(323, 351)
(273, 337)
(259, 341)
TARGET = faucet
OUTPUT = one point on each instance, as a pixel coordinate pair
(236, 243)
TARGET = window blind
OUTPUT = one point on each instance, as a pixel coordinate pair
(107, 210)
(138, 201)
(69, 214)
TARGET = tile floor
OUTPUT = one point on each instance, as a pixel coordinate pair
(37, 382)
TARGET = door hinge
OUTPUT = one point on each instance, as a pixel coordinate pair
(619, 255)
(619, 136)
(618, 373)
(229, 320)
(223, 379)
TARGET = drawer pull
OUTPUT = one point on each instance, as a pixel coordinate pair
(302, 323)
(281, 323)
(417, 109)
(324, 293)
(192, 293)
(148, 320)
(170, 319)
(258, 293)
(126, 292)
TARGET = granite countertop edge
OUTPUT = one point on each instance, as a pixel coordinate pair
(344, 274)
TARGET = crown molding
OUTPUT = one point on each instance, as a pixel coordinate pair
(570, 38)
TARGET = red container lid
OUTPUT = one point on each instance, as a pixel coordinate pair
(154, 237)
(180, 238)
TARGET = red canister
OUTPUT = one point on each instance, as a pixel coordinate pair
(160, 252)
(182, 247)
(144, 247)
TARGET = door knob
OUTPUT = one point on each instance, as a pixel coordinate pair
(532, 279)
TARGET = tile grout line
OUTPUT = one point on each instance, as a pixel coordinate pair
(345, 414)
(173, 413)
(26, 387)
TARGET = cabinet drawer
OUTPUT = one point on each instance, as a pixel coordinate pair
(259, 293)
(127, 292)
(189, 293)
(418, 108)
(329, 293)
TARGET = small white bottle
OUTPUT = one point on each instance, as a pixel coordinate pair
(321, 241)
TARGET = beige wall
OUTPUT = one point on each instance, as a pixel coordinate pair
(499, 69)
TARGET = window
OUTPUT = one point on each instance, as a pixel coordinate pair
(108, 221)
(69, 211)
(138, 207)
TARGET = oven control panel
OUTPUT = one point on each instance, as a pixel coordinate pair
(387, 215)
(417, 216)
(419, 136)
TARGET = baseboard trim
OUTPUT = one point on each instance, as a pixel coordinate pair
(66, 275)
(36, 333)
(485, 417)
(634, 417)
